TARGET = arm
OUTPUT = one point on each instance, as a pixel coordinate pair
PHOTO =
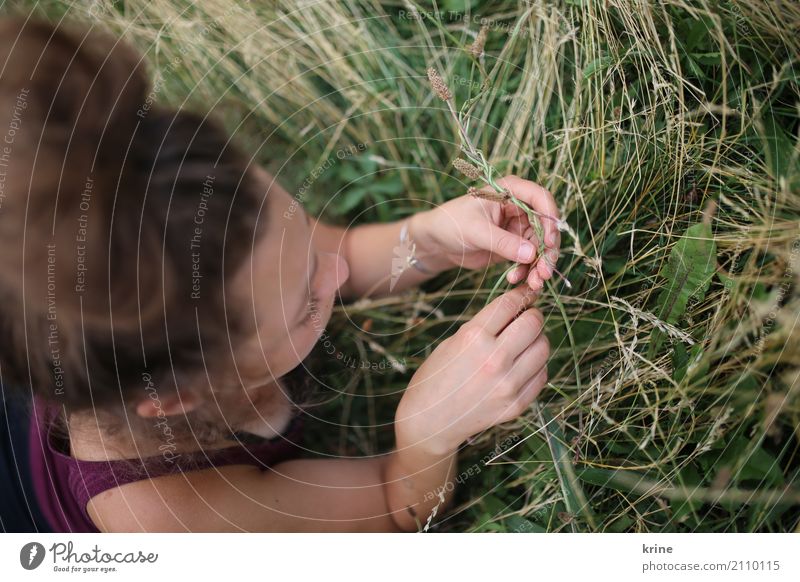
(487, 373)
(321, 495)
(370, 250)
(467, 231)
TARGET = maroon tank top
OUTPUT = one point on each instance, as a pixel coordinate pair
(64, 484)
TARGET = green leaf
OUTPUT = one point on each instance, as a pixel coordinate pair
(778, 146)
(760, 465)
(574, 498)
(517, 524)
(713, 58)
(621, 524)
(609, 242)
(689, 477)
(493, 506)
(390, 186)
(690, 364)
(763, 467)
(680, 361)
(694, 67)
(350, 173)
(759, 292)
(698, 33)
(688, 273)
(537, 448)
(597, 66)
(599, 477)
(351, 198)
(458, 5)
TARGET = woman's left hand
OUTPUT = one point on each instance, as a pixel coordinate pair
(474, 233)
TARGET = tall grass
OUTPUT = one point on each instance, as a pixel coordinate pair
(668, 133)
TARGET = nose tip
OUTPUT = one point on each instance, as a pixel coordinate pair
(336, 272)
(342, 271)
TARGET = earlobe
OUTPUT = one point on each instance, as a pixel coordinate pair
(169, 405)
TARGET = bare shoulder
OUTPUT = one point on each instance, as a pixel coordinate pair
(183, 502)
(295, 495)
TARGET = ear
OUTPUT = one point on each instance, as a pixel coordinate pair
(170, 405)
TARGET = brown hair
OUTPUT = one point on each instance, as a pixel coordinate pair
(119, 222)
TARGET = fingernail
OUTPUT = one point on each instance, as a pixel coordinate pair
(526, 251)
(550, 238)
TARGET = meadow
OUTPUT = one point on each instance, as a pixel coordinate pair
(668, 133)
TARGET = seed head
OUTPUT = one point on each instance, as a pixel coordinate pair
(480, 41)
(438, 85)
(467, 169)
(493, 196)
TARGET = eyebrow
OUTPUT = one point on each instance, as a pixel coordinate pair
(302, 313)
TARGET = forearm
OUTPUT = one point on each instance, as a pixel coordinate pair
(416, 483)
(378, 262)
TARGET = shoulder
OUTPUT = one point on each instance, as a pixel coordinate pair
(182, 502)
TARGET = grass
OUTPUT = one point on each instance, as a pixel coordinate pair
(669, 135)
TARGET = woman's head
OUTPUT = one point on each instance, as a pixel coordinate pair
(143, 253)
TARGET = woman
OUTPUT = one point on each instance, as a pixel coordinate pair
(159, 290)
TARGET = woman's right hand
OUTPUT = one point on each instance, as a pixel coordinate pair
(487, 373)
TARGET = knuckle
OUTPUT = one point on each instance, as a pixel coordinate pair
(509, 302)
(505, 389)
(504, 358)
(532, 319)
(494, 365)
(470, 333)
(505, 350)
(506, 244)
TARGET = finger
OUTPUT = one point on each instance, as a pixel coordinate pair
(547, 263)
(531, 390)
(512, 210)
(531, 359)
(534, 281)
(541, 200)
(503, 309)
(520, 273)
(525, 396)
(518, 225)
(519, 336)
(505, 244)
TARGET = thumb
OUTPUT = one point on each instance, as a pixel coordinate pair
(505, 244)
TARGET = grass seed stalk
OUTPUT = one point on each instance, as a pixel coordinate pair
(477, 168)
